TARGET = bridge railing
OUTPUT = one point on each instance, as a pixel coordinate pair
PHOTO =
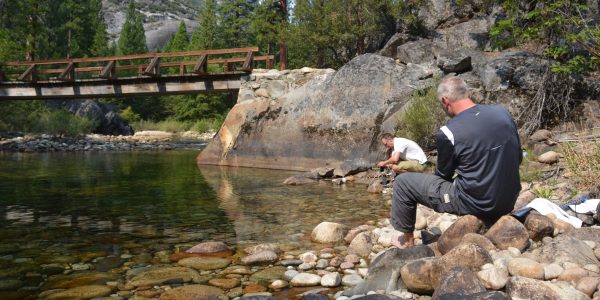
(147, 65)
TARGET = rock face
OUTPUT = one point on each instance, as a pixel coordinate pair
(566, 249)
(333, 118)
(104, 116)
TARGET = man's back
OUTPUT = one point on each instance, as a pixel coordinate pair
(482, 146)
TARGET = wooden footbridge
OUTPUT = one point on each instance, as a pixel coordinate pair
(172, 73)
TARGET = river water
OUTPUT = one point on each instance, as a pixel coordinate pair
(68, 209)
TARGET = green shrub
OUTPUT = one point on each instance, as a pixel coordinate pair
(129, 115)
(542, 192)
(206, 125)
(422, 118)
(60, 122)
(166, 125)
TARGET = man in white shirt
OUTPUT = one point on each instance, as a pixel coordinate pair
(405, 155)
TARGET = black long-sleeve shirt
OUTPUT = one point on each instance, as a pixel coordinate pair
(481, 145)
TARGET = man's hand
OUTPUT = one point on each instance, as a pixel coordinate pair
(382, 164)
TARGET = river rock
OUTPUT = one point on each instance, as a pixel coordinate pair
(361, 245)
(454, 234)
(78, 279)
(209, 248)
(328, 232)
(291, 262)
(289, 274)
(204, 263)
(194, 291)
(261, 257)
(351, 279)
(268, 275)
(355, 231)
(238, 270)
(10, 284)
(493, 278)
(521, 266)
(375, 187)
(458, 280)
(322, 264)
(263, 247)
(540, 135)
(508, 232)
(588, 285)
(161, 275)
(525, 288)
(383, 273)
(573, 275)
(299, 180)
(552, 271)
(81, 292)
(549, 157)
(306, 279)
(417, 274)
(479, 240)
(466, 255)
(538, 226)
(331, 280)
(524, 199)
(565, 248)
(308, 257)
(224, 283)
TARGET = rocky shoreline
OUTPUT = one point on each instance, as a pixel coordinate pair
(140, 141)
(453, 257)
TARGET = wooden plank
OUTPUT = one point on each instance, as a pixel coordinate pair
(68, 74)
(134, 56)
(108, 71)
(248, 62)
(201, 66)
(153, 68)
(29, 74)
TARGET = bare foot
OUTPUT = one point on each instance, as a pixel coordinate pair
(403, 240)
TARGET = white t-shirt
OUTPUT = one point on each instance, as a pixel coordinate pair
(409, 150)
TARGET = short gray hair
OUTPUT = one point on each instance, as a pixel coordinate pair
(454, 88)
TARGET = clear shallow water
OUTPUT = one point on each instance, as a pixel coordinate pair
(59, 207)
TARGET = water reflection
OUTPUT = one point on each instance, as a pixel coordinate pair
(262, 208)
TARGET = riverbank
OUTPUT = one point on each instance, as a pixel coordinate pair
(143, 140)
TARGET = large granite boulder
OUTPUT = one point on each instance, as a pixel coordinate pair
(105, 117)
(334, 118)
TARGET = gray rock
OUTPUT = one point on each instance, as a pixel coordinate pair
(416, 52)
(103, 115)
(525, 288)
(521, 69)
(361, 245)
(384, 274)
(565, 248)
(262, 257)
(454, 234)
(277, 88)
(328, 232)
(454, 62)
(467, 35)
(392, 44)
(306, 279)
(289, 274)
(508, 232)
(352, 280)
(263, 247)
(331, 280)
(458, 280)
(291, 262)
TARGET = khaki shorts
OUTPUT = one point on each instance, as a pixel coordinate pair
(410, 166)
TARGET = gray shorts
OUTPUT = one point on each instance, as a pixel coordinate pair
(429, 190)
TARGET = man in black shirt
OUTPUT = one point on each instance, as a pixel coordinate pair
(477, 173)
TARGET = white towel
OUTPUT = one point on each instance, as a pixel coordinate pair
(589, 206)
(545, 207)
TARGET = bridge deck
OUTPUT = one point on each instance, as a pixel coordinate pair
(99, 77)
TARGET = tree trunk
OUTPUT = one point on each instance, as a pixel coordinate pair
(283, 57)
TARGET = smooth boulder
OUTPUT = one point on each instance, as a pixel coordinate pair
(454, 234)
(328, 232)
(508, 232)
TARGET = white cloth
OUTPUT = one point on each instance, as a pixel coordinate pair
(589, 206)
(545, 207)
(409, 150)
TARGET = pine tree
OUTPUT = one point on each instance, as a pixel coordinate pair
(235, 18)
(179, 41)
(206, 36)
(99, 45)
(132, 39)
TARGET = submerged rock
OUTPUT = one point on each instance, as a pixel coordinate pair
(81, 292)
(161, 275)
(194, 291)
(204, 263)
